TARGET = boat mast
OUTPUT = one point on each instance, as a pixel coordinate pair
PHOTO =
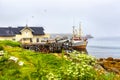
(73, 31)
(80, 30)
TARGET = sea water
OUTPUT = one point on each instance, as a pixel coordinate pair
(104, 47)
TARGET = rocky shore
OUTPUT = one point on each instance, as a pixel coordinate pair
(110, 64)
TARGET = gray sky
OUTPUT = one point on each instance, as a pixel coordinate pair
(98, 17)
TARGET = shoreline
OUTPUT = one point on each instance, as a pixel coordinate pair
(110, 64)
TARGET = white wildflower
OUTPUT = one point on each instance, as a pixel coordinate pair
(1, 53)
(20, 63)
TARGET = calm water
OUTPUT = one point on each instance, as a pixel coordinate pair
(104, 47)
(101, 47)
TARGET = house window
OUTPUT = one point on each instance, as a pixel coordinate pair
(13, 39)
(37, 40)
(30, 39)
(24, 39)
(26, 33)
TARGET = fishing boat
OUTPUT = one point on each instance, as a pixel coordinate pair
(78, 40)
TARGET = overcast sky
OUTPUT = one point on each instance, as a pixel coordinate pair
(98, 17)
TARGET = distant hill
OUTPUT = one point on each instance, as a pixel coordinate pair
(89, 36)
(69, 35)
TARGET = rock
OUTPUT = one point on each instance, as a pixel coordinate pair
(100, 63)
(109, 59)
(13, 58)
(117, 60)
(110, 64)
(101, 59)
(115, 70)
(99, 67)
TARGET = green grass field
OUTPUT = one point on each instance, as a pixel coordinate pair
(39, 66)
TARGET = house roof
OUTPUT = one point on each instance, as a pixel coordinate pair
(12, 31)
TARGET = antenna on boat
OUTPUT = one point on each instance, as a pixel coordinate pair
(73, 34)
(73, 31)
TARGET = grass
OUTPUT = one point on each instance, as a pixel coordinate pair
(38, 66)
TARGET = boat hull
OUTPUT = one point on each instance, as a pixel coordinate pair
(80, 46)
